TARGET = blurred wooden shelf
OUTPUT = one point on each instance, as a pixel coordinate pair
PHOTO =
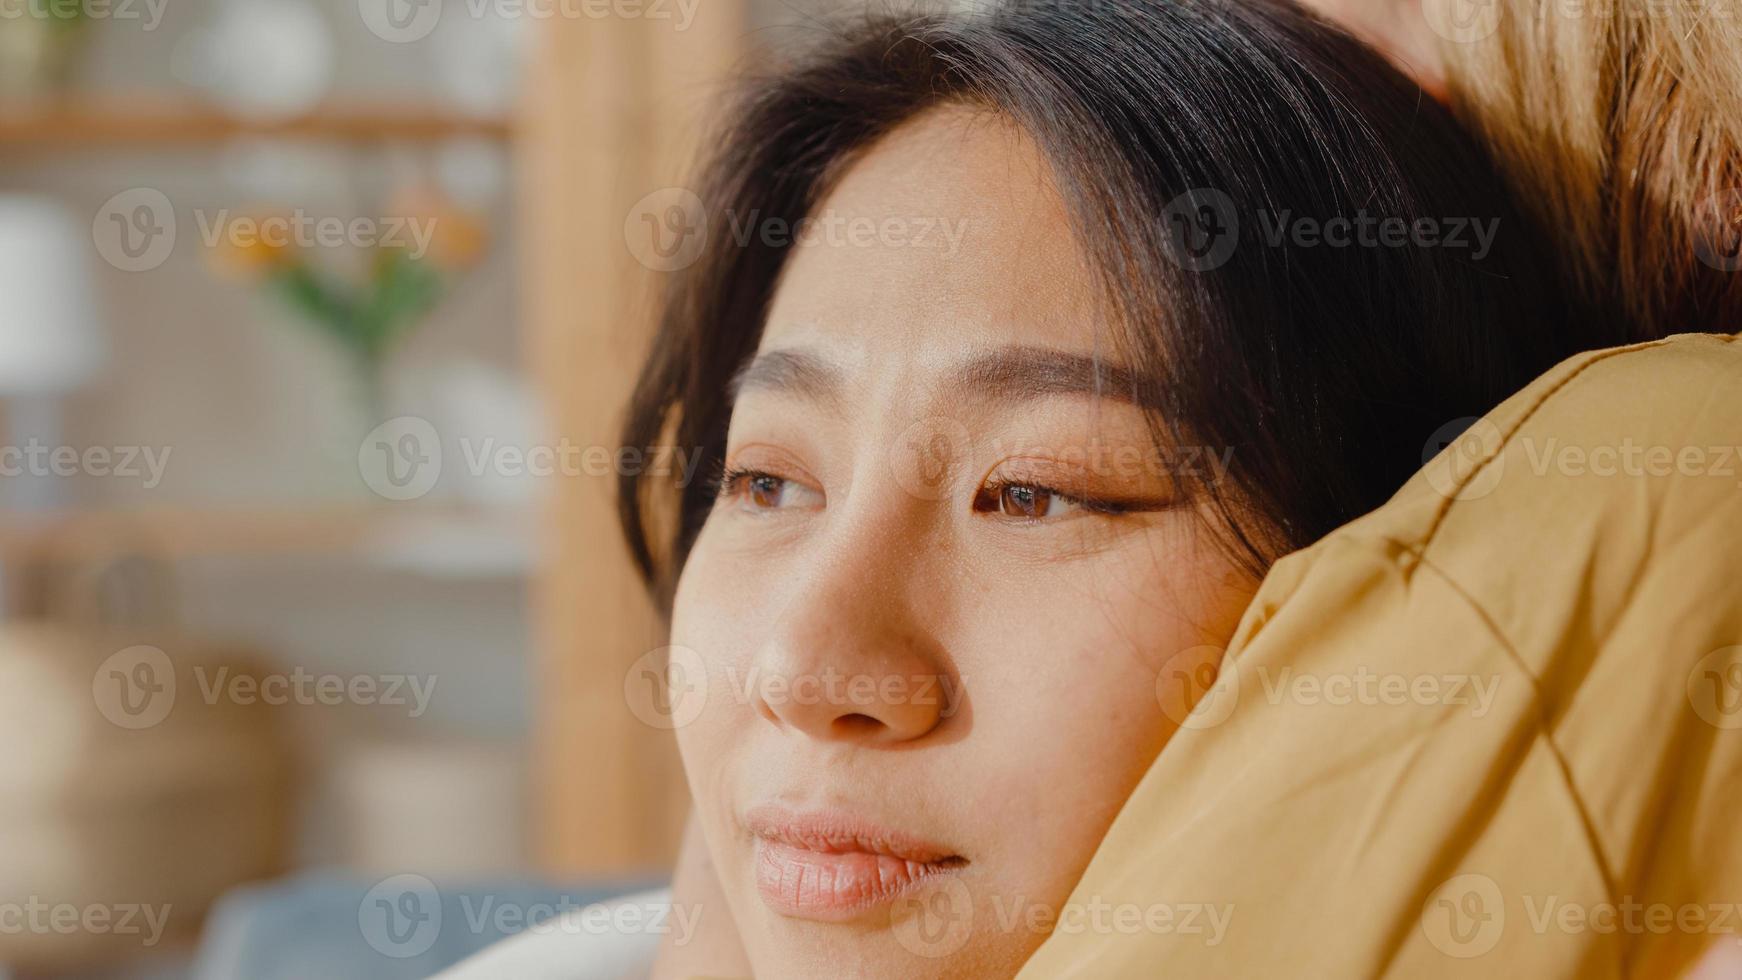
(460, 542)
(76, 124)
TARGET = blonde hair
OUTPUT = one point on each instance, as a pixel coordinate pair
(1620, 124)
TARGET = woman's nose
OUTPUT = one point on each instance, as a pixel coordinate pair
(846, 662)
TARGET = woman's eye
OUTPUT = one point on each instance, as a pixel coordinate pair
(1017, 500)
(1028, 501)
(765, 491)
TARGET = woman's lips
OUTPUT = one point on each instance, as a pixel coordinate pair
(832, 868)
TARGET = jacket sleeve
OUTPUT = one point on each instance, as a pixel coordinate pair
(1495, 725)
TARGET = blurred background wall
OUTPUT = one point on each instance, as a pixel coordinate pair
(260, 531)
(319, 650)
(298, 470)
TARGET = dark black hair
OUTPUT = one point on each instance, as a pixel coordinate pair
(1170, 126)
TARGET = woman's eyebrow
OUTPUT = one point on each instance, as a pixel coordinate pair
(792, 371)
(1017, 373)
(1014, 373)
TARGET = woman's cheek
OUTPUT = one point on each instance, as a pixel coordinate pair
(1066, 680)
(713, 617)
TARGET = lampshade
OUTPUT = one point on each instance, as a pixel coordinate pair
(50, 337)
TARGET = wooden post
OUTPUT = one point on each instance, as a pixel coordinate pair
(612, 112)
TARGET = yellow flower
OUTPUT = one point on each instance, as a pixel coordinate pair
(457, 238)
(245, 248)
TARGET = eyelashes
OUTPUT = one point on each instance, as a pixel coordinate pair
(733, 481)
(1019, 500)
(761, 490)
(1035, 501)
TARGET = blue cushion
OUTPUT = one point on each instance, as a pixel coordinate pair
(342, 926)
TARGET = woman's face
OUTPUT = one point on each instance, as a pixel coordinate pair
(948, 605)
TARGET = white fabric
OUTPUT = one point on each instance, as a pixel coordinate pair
(615, 940)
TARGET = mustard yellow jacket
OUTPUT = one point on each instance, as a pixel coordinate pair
(1492, 729)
